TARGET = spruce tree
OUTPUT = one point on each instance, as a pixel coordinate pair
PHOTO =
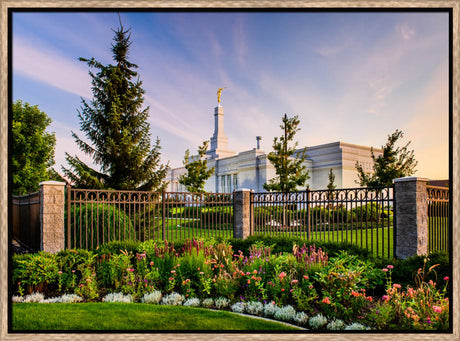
(289, 165)
(116, 125)
(197, 170)
(395, 162)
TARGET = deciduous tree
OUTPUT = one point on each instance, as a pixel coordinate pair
(197, 170)
(32, 153)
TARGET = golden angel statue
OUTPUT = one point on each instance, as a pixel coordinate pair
(219, 93)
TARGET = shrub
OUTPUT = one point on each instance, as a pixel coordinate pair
(207, 302)
(152, 297)
(35, 297)
(336, 324)
(112, 224)
(173, 299)
(118, 297)
(221, 303)
(270, 309)
(238, 307)
(318, 321)
(286, 313)
(192, 302)
(356, 326)
(254, 308)
(35, 272)
(301, 318)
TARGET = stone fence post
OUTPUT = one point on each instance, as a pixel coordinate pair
(52, 203)
(411, 210)
(242, 213)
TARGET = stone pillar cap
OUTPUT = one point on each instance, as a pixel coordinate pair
(411, 178)
(52, 183)
(244, 190)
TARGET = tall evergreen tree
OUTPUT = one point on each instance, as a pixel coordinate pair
(197, 170)
(395, 162)
(289, 165)
(116, 124)
(32, 153)
(331, 185)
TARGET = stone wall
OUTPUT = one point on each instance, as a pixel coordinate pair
(52, 198)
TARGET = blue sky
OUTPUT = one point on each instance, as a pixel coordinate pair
(352, 77)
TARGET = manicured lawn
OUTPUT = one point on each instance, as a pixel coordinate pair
(130, 316)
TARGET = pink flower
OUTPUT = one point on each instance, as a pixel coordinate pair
(446, 278)
(59, 272)
(385, 297)
(173, 271)
(390, 266)
(437, 309)
(294, 281)
(396, 285)
(132, 270)
(282, 275)
(384, 270)
(151, 263)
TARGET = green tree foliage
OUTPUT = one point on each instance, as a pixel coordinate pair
(331, 186)
(116, 124)
(395, 162)
(32, 153)
(197, 170)
(289, 165)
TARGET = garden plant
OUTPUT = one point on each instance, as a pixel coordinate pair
(315, 286)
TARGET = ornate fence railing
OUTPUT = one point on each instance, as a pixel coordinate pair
(362, 216)
(438, 218)
(94, 217)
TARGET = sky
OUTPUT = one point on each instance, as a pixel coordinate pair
(354, 77)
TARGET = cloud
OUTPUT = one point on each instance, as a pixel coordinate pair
(49, 67)
(405, 31)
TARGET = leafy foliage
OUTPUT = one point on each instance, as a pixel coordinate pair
(395, 162)
(32, 152)
(116, 124)
(197, 170)
(289, 164)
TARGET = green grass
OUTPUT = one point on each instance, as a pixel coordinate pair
(370, 238)
(130, 316)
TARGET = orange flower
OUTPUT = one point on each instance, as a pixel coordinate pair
(326, 300)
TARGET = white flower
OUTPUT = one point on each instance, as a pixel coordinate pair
(238, 307)
(152, 297)
(286, 313)
(336, 324)
(118, 297)
(173, 299)
(192, 302)
(317, 321)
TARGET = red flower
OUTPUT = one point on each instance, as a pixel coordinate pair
(446, 278)
(326, 300)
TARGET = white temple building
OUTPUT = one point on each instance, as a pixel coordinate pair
(251, 168)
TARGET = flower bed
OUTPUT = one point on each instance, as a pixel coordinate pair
(305, 286)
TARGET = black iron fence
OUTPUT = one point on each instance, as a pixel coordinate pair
(438, 218)
(361, 216)
(95, 217)
(26, 220)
